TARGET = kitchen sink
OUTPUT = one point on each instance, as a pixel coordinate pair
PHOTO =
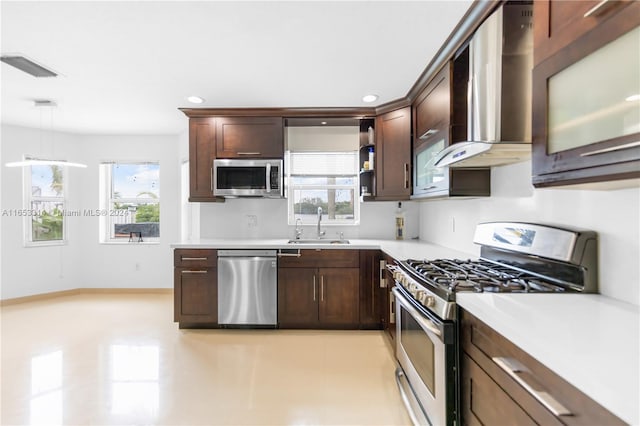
(318, 241)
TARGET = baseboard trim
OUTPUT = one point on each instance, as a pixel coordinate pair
(78, 291)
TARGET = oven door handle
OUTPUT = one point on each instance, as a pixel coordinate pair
(410, 402)
(426, 323)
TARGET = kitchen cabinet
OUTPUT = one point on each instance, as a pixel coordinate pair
(202, 152)
(559, 23)
(195, 288)
(388, 301)
(499, 381)
(368, 175)
(586, 125)
(393, 155)
(439, 117)
(249, 137)
(371, 292)
(319, 289)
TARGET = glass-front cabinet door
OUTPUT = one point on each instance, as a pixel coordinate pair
(427, 177)
(586, 111)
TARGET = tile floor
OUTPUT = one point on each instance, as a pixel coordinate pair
(120, 359)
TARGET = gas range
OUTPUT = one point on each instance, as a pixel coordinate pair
(514, 258)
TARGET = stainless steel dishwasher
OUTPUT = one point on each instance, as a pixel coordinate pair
(247, 288)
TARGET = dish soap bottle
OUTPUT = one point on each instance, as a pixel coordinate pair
(399, 222)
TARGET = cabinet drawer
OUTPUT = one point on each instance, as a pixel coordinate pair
(496, 356)
(320, 258)
(486, 403)
(195, 258)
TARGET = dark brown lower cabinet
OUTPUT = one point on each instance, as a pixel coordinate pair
(318, 297)
(491, 396)
(195, 288)
(297, 297)
(370, 292)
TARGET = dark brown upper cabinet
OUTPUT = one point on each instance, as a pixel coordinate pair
(202, 152)
(585, 119)
(559, 23)
(393, 155)
(249, 137)
(439, 117)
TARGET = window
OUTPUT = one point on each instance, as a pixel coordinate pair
(130, 206)
(323, 179)
(45, 199)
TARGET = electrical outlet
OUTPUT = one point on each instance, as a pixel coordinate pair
(137, 266)
(252, 221)
(453, 224)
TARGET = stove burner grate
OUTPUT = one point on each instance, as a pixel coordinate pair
(456, 275)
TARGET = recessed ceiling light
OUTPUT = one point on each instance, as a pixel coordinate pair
(633, 98)
(369, 98)
(195, 99)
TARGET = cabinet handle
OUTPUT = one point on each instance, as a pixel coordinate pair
(298, 254)
(512, 367)
(596, 9)
(267, 179)
(383, 280)
(194, 258)
(611, 149)
(428, 133)
(406, 175)
(429, 187)
(314, 288)
(248, 153)
(193, 272)
(322, 288)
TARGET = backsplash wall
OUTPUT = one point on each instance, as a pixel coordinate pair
(613, 214)
(231, 220)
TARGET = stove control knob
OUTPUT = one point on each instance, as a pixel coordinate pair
(420, 294)
(429, 302)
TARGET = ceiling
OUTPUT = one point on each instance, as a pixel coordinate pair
(127, 66)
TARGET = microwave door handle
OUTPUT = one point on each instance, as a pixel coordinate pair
(267, 182)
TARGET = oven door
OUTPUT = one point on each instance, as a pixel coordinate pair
(425, 362)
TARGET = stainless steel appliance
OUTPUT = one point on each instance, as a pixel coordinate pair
(499, 91)
(247, 288)
(248, 178)
(514, 257)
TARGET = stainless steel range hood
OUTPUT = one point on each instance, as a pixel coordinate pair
(499, 92)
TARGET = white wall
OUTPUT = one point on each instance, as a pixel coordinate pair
(230, 220)
(614, 214)
(131, 265)
(83, 262)
(33, 270)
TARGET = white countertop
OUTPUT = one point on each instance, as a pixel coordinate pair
(591, 341)
(397, 249)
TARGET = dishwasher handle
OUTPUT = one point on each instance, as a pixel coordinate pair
(247, 253)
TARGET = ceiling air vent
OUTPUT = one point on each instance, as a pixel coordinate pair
(28, 66)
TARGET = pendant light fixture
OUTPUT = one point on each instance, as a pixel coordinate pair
(31, 161)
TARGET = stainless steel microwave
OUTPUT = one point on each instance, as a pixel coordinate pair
(248, 178)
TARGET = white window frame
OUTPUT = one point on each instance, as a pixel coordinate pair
(29, 212)
(106, 203)
(291, 187)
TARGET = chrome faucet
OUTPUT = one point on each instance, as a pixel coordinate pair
(320, 233)
(298, 228)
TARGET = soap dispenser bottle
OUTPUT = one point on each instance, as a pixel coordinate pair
(399, 222)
